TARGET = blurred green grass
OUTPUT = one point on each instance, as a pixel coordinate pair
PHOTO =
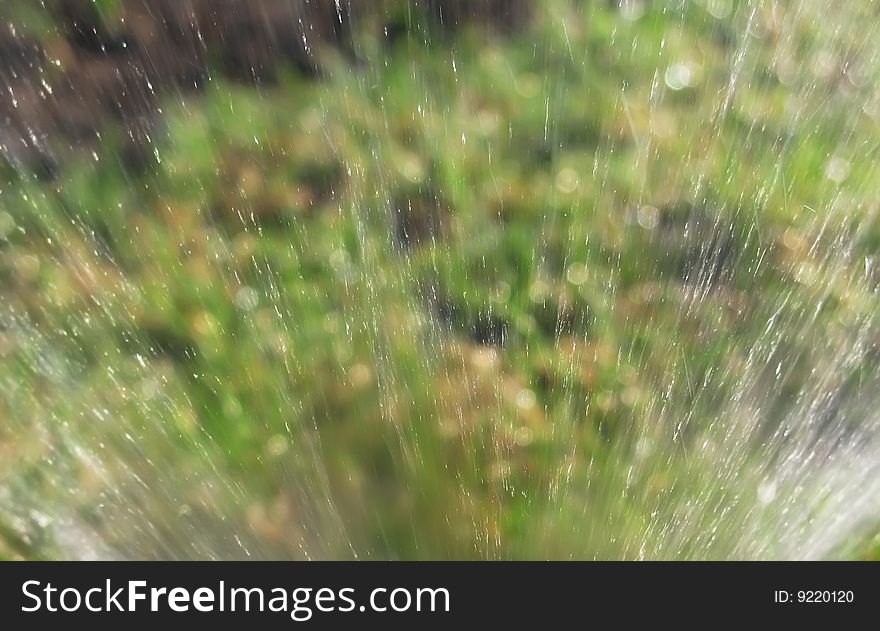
(315, 276)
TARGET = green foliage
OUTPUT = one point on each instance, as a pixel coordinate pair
(315, 280)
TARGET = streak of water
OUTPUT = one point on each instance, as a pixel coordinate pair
(526, 279)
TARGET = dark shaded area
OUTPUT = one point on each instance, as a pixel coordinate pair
(556, 316)
(19, 55)
(164, 340)
(696, 245)
(499, 15)
(490, 330)
(118, 68)
(484, 328)
(85, 28)
(418, 219)
(24, 147)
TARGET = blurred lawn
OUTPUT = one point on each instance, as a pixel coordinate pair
(290, 326)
